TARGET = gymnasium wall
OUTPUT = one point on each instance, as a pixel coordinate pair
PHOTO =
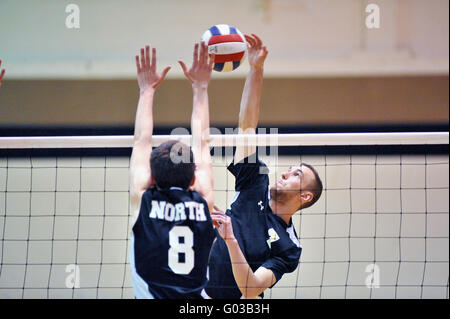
(325, 65)
(413, 100)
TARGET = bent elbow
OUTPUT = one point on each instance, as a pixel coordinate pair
(250, 293)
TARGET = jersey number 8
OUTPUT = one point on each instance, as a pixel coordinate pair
(185, 247)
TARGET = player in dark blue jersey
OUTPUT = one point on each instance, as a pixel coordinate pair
(171, 196)
(258, 241)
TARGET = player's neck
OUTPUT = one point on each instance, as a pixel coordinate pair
(282, 210)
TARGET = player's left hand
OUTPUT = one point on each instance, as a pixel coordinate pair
(257, 52)
(2, 74)
(223, 224)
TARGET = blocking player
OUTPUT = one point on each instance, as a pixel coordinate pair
(258, 242)
(171, 197)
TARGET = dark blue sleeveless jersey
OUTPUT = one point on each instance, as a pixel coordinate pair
(170, 245)
(264, 238)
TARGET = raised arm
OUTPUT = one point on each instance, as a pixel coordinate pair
(249, 110)
(149, 80)
(251, 283)
(2, 74)
(199, 75)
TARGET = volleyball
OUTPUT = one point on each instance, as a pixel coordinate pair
(228, 44)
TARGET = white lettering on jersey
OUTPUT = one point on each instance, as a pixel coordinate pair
(170, 212)
(200, 212)
(177, 212)
(157, 209)
(191, 206)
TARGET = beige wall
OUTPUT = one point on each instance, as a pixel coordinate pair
(296, 101)
(308, 37)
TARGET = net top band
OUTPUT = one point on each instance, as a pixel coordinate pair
(219, 140)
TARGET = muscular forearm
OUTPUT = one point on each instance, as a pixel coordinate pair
(200, 113)
(144, 117)
(248, 283)
(200, 146)
(251, 284)
(200, 125)
(249, 110)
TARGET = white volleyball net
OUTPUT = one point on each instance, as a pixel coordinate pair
(380, 229)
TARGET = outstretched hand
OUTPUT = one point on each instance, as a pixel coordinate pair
(200, 71)
(148, 77)
(2, 74)
(257, 52)
(223, 224)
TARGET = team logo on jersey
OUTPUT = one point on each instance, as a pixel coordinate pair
(260, 204)
(273, 236)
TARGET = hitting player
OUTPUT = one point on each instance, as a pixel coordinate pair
(171, 197)
(258, 241)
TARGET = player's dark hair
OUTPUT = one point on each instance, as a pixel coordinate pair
(172, 165)
(316, 187)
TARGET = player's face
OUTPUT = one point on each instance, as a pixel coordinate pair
(293, 181)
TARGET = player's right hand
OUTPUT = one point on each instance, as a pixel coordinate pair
(257, 52)
(148, 77)
(223, 224)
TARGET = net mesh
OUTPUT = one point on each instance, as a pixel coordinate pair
(380, 229)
